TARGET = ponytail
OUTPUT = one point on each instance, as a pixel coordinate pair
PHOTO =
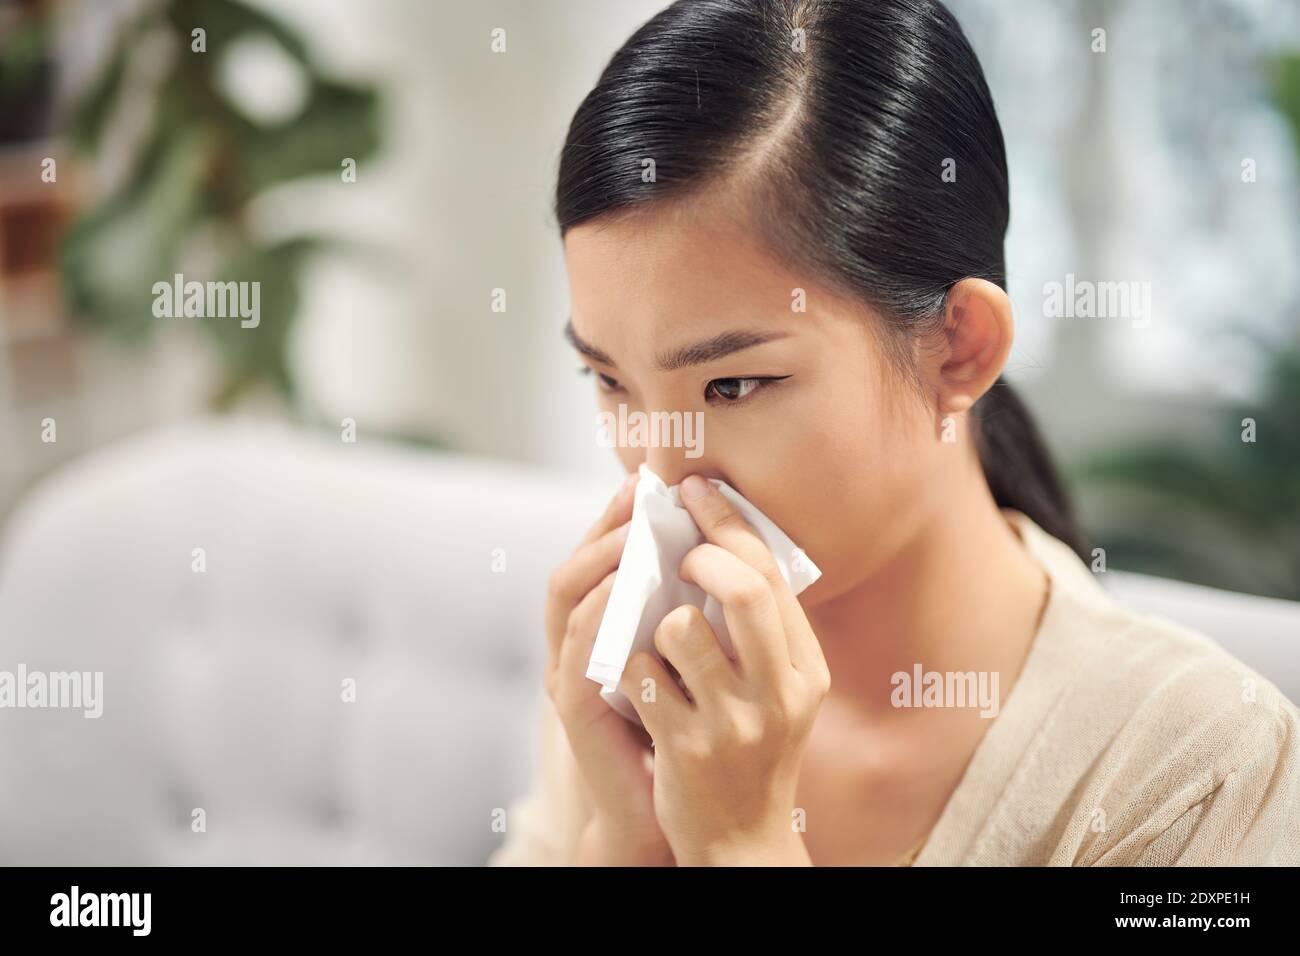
(1019, 468)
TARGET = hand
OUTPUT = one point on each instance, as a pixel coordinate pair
(612, 754)
(726, 761)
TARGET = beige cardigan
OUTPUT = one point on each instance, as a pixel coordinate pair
(1127, 740)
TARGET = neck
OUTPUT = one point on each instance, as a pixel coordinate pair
(962, 594)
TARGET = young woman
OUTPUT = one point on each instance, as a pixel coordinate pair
(789, 215)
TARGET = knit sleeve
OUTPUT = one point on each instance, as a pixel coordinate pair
(1249, 817)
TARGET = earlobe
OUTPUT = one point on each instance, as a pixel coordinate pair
(958, 402)
(979, 329)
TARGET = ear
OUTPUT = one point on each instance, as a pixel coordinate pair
(970, 351)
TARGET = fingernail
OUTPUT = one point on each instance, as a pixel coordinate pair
(694, 487)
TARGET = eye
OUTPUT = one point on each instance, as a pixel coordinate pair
(734, 391)
(604, 382)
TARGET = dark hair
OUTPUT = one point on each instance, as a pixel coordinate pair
(833, 122)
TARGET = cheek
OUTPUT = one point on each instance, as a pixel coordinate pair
(849, 485)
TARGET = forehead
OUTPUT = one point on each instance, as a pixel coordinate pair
(660, 268)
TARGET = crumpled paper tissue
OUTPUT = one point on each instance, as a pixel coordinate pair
(647, 587)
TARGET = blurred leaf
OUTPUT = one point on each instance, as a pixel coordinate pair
(226, 21)
(1286, 90)
(258, 354)
(90, 114)
(113, 255)
(338, 121)
(201, 164)
(23, 48)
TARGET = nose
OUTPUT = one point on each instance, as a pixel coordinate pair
(670, 440)
(673, 464)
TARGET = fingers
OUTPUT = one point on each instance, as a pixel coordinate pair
(686, 641)
(573, 581)
(722, 525)
(580, 629)
(596, 555)
(726, 527)
(658, 701)
(753, 616)
(617, 511)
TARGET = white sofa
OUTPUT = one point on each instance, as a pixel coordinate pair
(325, 562)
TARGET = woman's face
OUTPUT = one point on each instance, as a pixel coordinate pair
(838, 453)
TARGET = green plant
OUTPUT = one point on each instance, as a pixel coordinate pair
(24, 76)
(196, 171)
(1227, 515)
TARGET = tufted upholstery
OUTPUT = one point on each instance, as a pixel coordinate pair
(222, 690)
(325, 561)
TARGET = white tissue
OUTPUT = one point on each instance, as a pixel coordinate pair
(647, 587)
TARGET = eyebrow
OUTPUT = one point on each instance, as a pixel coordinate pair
(697, 353)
